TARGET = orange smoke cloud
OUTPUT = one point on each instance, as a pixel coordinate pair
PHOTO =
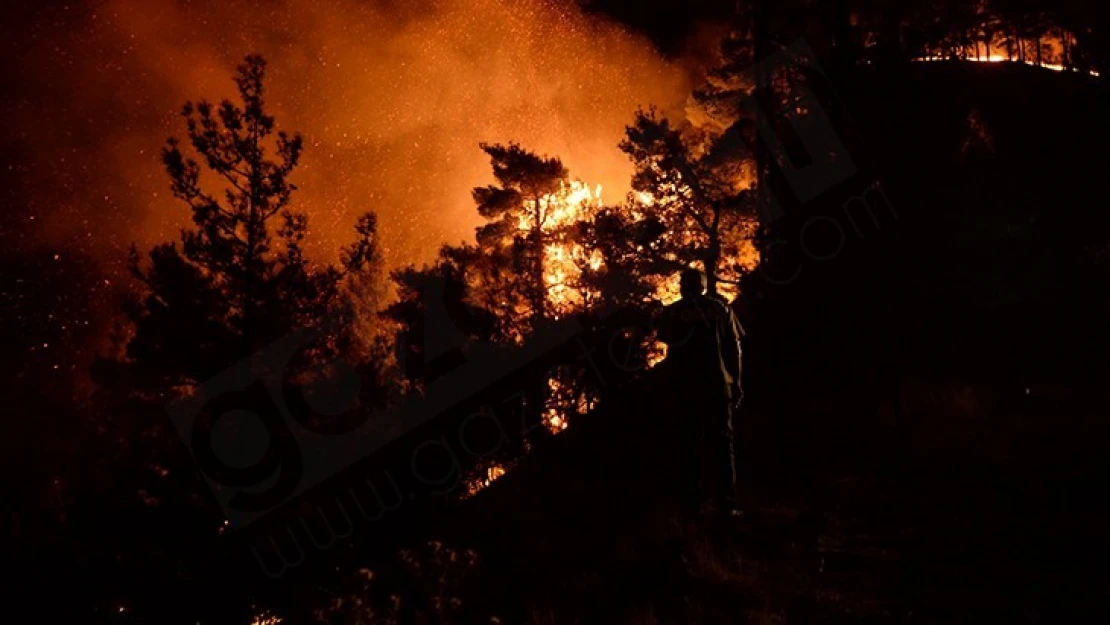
(392, 97)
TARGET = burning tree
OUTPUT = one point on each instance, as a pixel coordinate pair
(536, 258)
(511, 269)
(701, 206)
(532, 259)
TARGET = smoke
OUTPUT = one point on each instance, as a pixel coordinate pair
(392, 97)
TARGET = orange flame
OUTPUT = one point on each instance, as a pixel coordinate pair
(564, 262)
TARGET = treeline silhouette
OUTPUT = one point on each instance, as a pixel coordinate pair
(928, 324)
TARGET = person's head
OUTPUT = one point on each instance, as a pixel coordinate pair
(691, 283)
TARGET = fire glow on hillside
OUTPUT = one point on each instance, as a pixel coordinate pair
(1050, 52)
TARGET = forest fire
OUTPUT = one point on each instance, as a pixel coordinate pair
(351, 311)
(1050, 51)
(996, 57)
(564, 262)
(393, 99)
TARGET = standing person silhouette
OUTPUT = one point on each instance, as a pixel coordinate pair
(704, 362)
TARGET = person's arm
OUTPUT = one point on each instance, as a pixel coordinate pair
(730, 346)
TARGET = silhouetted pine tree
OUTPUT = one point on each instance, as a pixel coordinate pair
(240, 277)
(429, 342)
(509, 272)
(700, 203)
(626, 274)
(499, 290)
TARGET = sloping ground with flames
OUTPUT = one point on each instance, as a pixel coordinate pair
(1052, 51)
(995, 239)
(583, 529)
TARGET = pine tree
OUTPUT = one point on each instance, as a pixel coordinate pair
(513, 241)
(701, 205)
(429, 342)
(240, 277)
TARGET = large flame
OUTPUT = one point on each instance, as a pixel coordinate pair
(392, 97)
(564, 262)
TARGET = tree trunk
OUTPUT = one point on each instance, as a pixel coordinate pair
(712, 260)
(535, 390)
(249, 260)
(539, 285)
(764, 99)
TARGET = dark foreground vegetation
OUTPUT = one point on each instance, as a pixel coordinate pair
(923, 438)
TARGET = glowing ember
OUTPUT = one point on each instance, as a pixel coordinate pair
(657, 351)
(266, 618)
(567, 396)
(493, 473)
(490, 474)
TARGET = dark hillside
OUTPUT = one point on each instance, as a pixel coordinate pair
(920, 443)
